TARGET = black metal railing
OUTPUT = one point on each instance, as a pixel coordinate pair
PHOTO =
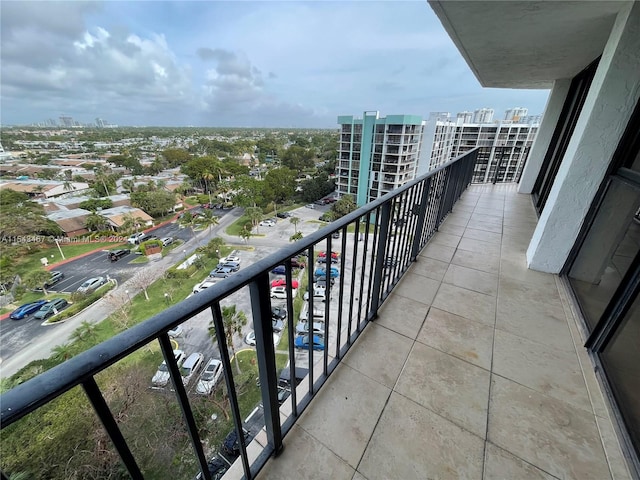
(374, 246)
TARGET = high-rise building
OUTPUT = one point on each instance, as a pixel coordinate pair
(66, 121)
(465, 117)
(504, 145)
(483, 115)
(515, 114)
(377, 154)
(100, 123)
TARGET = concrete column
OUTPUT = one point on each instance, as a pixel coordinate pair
(614, 92)
(540, 146)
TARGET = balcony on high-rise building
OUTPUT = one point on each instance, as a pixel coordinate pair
(481, 331)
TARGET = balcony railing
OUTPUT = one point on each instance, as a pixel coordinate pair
(377, 244)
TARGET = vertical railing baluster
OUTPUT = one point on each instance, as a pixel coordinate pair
(372, 263)
(354, 263)
(291, 334)
(380, 258)
(327, 305)
(231, 387)
(183, 400)
(265, 351)
(310, 275)
(111, 426)
(417, 238)
(341, 291)
(363, 270)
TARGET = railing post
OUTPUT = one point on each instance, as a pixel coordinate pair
(422, 213)
(265, 351)
(183, 400)
(110, 425)
(385, 221)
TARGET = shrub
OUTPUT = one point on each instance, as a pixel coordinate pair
(81, 301)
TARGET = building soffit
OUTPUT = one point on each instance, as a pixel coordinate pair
(527, 44)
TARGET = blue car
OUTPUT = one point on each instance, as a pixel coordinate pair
(26, 309)
(279, 270)
(333, 273)
(303, 342)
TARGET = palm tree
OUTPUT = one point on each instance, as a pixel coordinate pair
(62, 352)
(86, 329)
(208, 219)
(233, 321)
(37, 279)
(254, 214)
(128, 184)
(95, 222)
(245, 233)
(295, 237)
(295, 221)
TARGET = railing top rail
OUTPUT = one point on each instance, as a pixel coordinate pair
(27, 397)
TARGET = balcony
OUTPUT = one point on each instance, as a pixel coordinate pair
(447, 357)
(474, 368)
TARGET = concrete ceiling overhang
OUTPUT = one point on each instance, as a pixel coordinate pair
(527, 44)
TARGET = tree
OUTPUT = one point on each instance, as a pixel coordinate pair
(297, 158)
(295, 221)
(212, 249)
(245, 233)
(85, 330)
(295, 237)
(128, 185)
(143, 280)
(254, 214)
(208, 219)
(93, 204)
(174, 157)
(279, 185)
(154, 202)
(344, 206)
(20, 216)
(37, 279)
(250, 191)
(233, 321)
(95, 222)
(202, 171)
(62, 352)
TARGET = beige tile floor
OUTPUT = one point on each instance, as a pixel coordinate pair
(470, 371)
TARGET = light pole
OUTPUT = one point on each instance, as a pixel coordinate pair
(185, 254)
(128, 296)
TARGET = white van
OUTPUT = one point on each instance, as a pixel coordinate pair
(190, 366)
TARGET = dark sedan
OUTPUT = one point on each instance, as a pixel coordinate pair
(27, 309)
(117, 254)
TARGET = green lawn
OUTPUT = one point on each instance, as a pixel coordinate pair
(31, 261)
(236, 227)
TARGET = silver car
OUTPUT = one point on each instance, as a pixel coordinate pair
(209, 377)
(91, 284)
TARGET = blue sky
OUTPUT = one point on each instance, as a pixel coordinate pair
(247, 64)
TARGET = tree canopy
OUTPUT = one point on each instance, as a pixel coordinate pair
(279, 184)
(154, 202)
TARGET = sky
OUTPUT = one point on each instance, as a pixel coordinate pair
(240, 63)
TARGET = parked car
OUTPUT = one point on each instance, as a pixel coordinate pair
(117, 254)
(302, 328)
(56, 276)
(166, 241)
(283, 215)
(321, 282)
(317, 343)
(233, 266)
(231, 258)
(281, 282)
(134, 239)
(250, 338)
(161, 377)
(91, 284)
(267, 223)
(336, 234)
(310, 205)
(324, 259)
(51, 308)
(210, 376)
(322, 272)
(175, 332)
(278, 313)
(335, 255)
(206, 283)
(27, 309)
(220, 272)
(319, 294)
(277, 325)
(217, 468)
(318, 311)
(279, 270)
(281, 292)
(191, 366)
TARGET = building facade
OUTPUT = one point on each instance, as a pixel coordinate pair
(377, 154)
(504, 145)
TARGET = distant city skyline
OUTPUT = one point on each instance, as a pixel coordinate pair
(240, 64)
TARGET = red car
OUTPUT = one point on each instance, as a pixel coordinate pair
(334, 255)
(280, 282)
